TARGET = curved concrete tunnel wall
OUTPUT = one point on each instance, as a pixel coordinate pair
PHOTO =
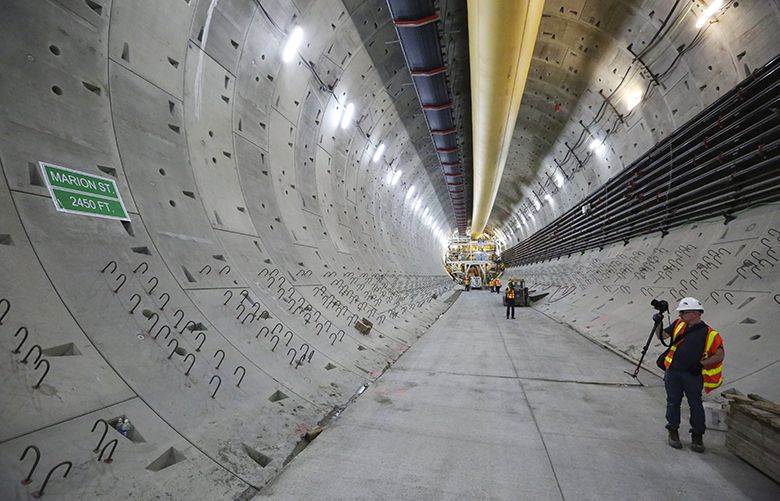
(732, 269)
(238, 178)
(586, 52)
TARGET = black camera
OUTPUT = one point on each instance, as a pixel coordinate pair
(662, 306)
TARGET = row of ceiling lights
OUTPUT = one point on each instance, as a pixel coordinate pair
(289, 52)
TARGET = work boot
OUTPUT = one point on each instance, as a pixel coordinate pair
(674, 439)
(697, 444)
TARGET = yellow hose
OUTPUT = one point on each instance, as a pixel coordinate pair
(502, 34)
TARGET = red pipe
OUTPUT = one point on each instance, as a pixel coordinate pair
(416, 23)
(429, 73)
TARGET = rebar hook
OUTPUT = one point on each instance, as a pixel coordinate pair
(173, 340)
(110, 263)
(28, 479)
(134, 306)
(221, 358)
(103, 436)
(24, 339)
(39, 492)
(201, 333)
(109, 459)
(219, 383)
(168, 333)
(29, 352)
(243, 373)
(156, 281)
(123, 279)
(7, 303)
(295, 354)
(38, 364)
(187, 373)
(167, 298)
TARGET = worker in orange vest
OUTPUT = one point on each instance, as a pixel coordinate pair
(510, 300)
(693, 362)
(498, 285)
(492, 284)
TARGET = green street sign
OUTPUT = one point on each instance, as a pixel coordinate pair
(77, 192)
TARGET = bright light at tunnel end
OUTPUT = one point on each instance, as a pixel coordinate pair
(293, 42)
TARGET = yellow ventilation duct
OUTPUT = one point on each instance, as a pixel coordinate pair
(502, 34)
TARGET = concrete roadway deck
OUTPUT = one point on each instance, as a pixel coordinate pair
(487, 408)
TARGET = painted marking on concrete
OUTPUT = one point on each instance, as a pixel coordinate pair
(77, 192)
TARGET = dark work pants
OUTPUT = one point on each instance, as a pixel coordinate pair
(679, 383)
(510, 305)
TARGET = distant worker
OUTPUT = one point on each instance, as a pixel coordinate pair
(693, 361)
(467, 283)
(492, 285)
(510, 300)
(498, 285)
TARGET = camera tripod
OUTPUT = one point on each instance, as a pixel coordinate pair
(658, 319)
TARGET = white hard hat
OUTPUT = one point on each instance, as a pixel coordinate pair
(689, 304)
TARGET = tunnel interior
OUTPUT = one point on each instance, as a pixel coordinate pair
(288, 214)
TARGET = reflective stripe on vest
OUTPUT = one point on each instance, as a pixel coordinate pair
(713, 376)
(510, 294)
(678, 328)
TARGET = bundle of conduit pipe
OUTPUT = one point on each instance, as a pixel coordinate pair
(722, 161)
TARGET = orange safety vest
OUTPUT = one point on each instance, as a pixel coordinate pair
(492, 283)
(498, 283)
(510, 293)
(713, 376)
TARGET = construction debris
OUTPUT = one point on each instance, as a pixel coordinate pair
(754, 431)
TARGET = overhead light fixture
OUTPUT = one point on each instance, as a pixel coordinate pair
(293, 42)
(417, 204)
(558, 180)
(347, 118)
(378, 153)
(389, 177)
(410, 192)
(396, 177)
(598, 147)
(633, 99)
(714, 7)
(537, 203)
(549, 199)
